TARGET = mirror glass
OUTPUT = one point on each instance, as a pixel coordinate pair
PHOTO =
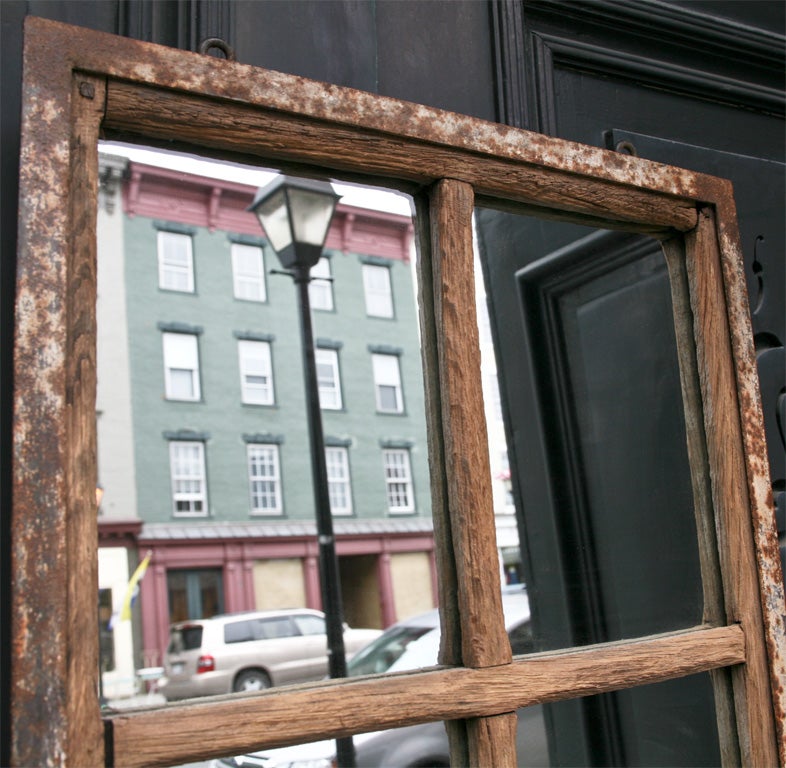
(209, 549)
(583, 332)
(209, 558)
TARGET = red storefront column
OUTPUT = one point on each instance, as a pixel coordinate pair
(311, 578)
(387, 597)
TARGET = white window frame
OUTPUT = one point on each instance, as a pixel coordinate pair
(248, 282)
(329, 389)
(171, 271)
(191, 470)
(270, 453)
(320, 289)
(387, 374)
(181, 354)
(378, 291)
(339, 481)
(398, 480)
(255, 363)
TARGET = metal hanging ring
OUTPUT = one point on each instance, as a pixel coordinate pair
(217, 43)
(627, 148)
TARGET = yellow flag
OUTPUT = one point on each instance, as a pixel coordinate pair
(133, 588)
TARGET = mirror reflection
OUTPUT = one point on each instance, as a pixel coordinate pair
(210, 527)
(584, 332)
(209, 556)
(209, 561)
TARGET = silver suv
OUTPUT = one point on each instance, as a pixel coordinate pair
(414, 644)
(250, 651)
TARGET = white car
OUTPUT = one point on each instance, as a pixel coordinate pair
(407, 645)
(250, 651)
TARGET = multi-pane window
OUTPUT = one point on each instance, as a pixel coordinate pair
(189, 486)
(196, 593)
(328, 378)
(339, 490)
(398, 477)
(320, 289)
(376, 288)
(181, 366)
(387, 383)
(248, 272)
(256, 372)
(264, 479)
(175, 262)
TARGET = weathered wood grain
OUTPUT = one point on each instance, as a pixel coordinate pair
(762, 505)
(242, 112)
(333, 709)
(227, 126)
(85, 742)
(492, 741)
(54, 708)
(484, 641)
(712, 582)
(755, 720)
(444, 553)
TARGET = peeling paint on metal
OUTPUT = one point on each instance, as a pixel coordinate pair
(39, 474)
(771, 583)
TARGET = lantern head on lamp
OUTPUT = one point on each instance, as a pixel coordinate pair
(295, 214)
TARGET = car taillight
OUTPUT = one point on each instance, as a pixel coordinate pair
(206, 664)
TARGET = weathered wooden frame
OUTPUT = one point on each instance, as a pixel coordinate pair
(79, 85)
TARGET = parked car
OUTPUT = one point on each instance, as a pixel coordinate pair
(250, 651)
(407, 645)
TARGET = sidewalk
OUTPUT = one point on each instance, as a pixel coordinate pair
(140, 701)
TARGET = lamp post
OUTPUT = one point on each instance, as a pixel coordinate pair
(102, 701)
(295, 215)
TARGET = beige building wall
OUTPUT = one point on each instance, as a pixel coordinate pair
(411, 576)
(279, 584)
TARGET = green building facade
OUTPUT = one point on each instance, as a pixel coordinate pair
(221, 469)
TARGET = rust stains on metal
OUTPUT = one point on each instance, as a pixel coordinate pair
(167, 68)
(38, 525)
(771, 583)
(42, 400)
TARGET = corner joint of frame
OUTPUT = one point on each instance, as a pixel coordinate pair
(90, 94)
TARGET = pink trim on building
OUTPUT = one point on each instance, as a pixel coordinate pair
(199, 201)
(113, 532)
(236, 558)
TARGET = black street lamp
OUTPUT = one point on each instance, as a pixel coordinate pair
(102, 700)
(295, 215)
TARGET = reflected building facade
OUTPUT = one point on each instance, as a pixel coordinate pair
(202, 439)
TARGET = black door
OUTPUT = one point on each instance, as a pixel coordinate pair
(586, 348)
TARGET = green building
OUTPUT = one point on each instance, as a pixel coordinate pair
(203, 444)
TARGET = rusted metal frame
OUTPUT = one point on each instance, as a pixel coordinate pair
(280, 717)
(54, 708)
(679, 183)
(762, 508)
(731, 502)
(249, 130)
(481, 639)
(146, 63)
